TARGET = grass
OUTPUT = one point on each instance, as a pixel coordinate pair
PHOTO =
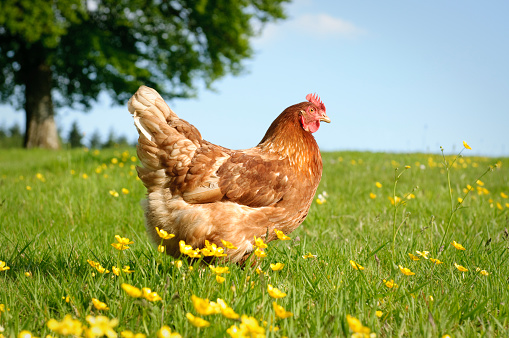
(60, 209)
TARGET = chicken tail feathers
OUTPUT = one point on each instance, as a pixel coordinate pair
(165, 141)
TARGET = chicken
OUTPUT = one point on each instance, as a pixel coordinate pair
(199, 191)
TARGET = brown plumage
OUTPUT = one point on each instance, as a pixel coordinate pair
(200, 191)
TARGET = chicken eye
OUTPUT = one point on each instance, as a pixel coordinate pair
(312, 110)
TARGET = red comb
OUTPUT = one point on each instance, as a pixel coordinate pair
(315, 99)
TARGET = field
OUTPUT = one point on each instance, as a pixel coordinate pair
(347, 268)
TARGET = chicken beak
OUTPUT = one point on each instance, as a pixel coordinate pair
(325, 118)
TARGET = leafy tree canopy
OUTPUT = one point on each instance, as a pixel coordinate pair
(79, 48)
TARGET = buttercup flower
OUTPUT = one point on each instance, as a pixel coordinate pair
(413, 257)
(405, 271)
(226, 310)
(460, 267)
(277, 266)
(356, 266)
(259, 243)
(356, 325)
(164, 234)
(211, 249)
(372, 195)
(150, 295)
(122, 244)
(458, 246)
(379, 313)
(130, 334)
(309, 255)
(197, 321)
(260, 253)
(205, 307)
(466, 145)
(281, 235)
(3, 266)
(436, 261)
(131, 290)
(165, 332)
(390, 284)
(67, 326)
(220, 279)
(220, 269)
(99, 305)
(101, 326)
(280, 311)
(188, 250)
(423, 254)
(275, 293)
(228, 245)
(378, 185)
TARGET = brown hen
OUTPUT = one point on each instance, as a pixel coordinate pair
(200, 191)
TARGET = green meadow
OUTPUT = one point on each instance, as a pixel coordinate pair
(375, 256)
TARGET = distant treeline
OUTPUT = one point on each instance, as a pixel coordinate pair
(13, 136)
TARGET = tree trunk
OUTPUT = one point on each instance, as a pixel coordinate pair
(41, 130)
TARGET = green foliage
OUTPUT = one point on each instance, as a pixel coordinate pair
(116, 46)
(75, 136)
(71, 215)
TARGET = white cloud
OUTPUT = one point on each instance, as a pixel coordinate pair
(324, 25)
(321, 26)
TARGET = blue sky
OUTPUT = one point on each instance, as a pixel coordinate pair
(395, 77)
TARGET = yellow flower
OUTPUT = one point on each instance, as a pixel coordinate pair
(281, 235)
(259, 243)
(40, 177)
(484, 272)
(228, 245)
(2, 308)
(251, 328)
(3, 266)
(122, 243)
(114, 160)
(220, 279)
(457, 245)
(197, 321)
(466, 145)
(211, 249)
(277, 266)
(413, 257)
(188, 250)
(113, 193)
(378, 185)
(226, 310)
(161, 248)
(25, 334)
(480, 183)
(99, 305)
(280, 311)
(164, 234)
(259, 271)
(356, 325)
(405, 271)
(260, 253)
(499, 206)
(149, 295)
(127, 269)
(115, 270)
(356, 266)
(131, 290)
(101, 326)
(275, 293)
(390, 284)
(436, 261)
(85, 176)
(66, 298)
(379, 313)
(503, 195)
(372, 196)
(423, 254)
(125, 191)
(130, 334)
(205, 307)
(460, 200)
(460, 267)
(407, 167)
(177, 263)
(29, 187)
(165, 332)
(67, 326)
(309, 255)
(220, 269)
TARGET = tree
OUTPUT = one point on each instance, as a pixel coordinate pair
(65, 52)
(75, 136)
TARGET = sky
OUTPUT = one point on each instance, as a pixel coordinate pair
(395, 76)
